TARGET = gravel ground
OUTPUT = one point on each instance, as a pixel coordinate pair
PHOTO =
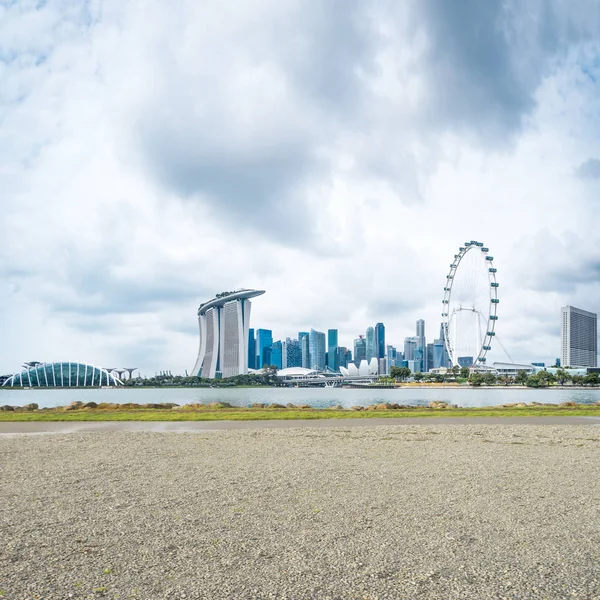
(422, 511)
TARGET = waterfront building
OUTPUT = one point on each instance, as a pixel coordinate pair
(347, 358)
(380, 340)
(360, 350)
(342, 357)
(293, 353)
(370, 341)
(224, 324)
(251, 349)
(277, 354)
(579, 337)
(438, 354)
(333, 362)
(383, 368)
(303, 337)
(264, 344)
(465, 361)
(61, 374)
(317, 350)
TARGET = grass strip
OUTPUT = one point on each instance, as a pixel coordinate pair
(262, 414)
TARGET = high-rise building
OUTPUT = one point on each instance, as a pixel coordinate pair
(441, 358)
(391, 354)
(264, 342)
(429, 356)
(421, 349)
(317, 350)
(332, 345)
(303, 337)
(380, 340)
(410, 345)
(277, 354)
(251, 349)
(579, 337)
(342, 356)
(293, 353)
(382, 366)
(224, 325)
(360, 350)
(370, 343)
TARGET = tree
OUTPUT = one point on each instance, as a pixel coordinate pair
(418, 376)
(489, 379)
(533, 380)
(562, 376)
(476, 379)
(521, 378)
(577, 379)
(400, 373)
(455, 370)
(591, 379)
(545, 378)
(464, 372)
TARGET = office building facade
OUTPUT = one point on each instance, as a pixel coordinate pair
(264, 343)
(370, 341)
(317, 347)
(579, 337)
(380, 348)
(303, 337)
(333, 363)
(251, 349)
(360, 350)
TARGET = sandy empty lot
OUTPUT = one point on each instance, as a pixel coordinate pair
(418, 511)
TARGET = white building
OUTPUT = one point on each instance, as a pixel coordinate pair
(579, 338)
(224, 322)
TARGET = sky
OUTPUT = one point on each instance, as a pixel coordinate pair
(335, 154)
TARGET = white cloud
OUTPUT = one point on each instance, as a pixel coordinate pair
(152, 157)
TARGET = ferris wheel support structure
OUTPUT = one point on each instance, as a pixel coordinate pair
(490, 318)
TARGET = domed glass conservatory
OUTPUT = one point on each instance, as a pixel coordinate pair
(62, 374)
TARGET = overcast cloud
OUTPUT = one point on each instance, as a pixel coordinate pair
(335, 154)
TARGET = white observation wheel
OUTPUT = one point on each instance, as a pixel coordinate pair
(470, 305)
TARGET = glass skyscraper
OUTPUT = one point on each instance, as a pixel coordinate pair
(380, 340)
(277, 354)
(264, 343)
(317, 350)
(360, 350)
(332, 345)
(251, 349)
(370, 343)
(303, 337)
(293, 353)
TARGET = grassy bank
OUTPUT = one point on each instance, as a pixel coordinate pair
(261, 414)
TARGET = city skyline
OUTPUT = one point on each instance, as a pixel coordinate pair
(340, 174)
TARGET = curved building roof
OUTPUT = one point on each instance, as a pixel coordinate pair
(62, 374)
(243, 294)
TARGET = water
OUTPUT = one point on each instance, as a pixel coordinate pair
(317, 397)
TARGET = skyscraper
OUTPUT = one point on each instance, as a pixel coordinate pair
(277, 354)
(370, 343)
(251, 349)
(360, 350)
(317, 350)
(391, 357)
(332, 345)
(380, 340)
(293, 353)
(224, 324)
(303, 337)
(579, 337)
(264, 342)
(429, 356)
(410, 344)
(421, 349)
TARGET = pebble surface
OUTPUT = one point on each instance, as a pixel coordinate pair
(423, 511)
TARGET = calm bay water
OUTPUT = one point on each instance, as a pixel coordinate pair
(317, 397)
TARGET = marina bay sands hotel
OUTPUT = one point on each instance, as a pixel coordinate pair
(224, 325)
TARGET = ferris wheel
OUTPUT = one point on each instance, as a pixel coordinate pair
(470, 305)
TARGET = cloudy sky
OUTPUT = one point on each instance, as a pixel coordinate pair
(334, 153)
